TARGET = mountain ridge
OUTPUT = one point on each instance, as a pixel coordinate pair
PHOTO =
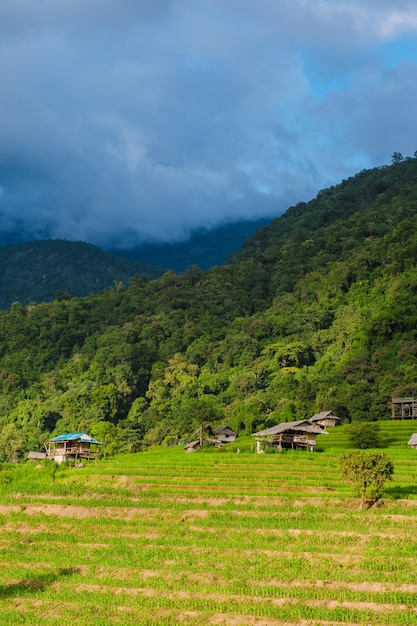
(37, 271)
(204, 248)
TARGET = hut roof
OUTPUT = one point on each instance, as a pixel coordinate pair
(304, 426)
(192, 444)
(223, 428)
(321, 416)
(75, 437)
(413, 440)
(37, 456)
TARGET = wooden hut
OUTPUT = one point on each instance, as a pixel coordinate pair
(216, 438)
(225, 434)
(72, 446)
(36, 456)
(403, 408)
(298, 434)
(192, 446)
(325, 419)
(413, 441)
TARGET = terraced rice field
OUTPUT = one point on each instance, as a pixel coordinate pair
(210, 538)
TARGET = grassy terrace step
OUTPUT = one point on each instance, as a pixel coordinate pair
(165, 537)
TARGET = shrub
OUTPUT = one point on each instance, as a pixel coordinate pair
(364, 435)
(368, 471)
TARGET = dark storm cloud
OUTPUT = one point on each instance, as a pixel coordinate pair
(124, 121)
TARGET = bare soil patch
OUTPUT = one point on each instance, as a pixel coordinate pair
(335, 585)
(219, 597)
(25, 529)
(81, 512)
(194, 514)
(6, 509)
(220, 619)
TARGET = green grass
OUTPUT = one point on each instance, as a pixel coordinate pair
(165, 537)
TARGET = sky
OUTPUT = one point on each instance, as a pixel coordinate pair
(132, 121)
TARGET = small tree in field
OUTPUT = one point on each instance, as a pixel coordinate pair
(368, 471)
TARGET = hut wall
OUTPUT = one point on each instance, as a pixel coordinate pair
(404, 408)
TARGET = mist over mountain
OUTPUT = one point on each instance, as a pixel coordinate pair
(205, 248)
(130, 123)
(37, 271)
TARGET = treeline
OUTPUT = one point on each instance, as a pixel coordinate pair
(318, 311)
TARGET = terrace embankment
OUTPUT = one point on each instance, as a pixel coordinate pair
(168, 538)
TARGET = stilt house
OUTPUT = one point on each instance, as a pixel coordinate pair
(72, 446)
(294, 435)
(403, 408)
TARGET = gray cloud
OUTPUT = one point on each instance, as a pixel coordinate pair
(125, 121)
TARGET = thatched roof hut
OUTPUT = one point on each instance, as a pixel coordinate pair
(206, 435)
(298, 434)
(225, 434)
(325, 419)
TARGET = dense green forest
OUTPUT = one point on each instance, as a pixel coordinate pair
(38, 271)
(318, 311)
(42, 270)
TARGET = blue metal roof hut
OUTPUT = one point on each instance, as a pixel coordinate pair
(72, 446)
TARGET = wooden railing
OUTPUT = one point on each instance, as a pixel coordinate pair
(74, 451)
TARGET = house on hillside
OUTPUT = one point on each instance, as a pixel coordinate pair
(404, 408)
(325, 419)
(413, 441)
(294, 435)
(225, 434)
(72, 446)
(216, 438)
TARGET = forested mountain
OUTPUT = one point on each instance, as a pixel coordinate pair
(39, 271)
(317, 311)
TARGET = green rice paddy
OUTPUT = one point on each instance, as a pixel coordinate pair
(165, 537)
